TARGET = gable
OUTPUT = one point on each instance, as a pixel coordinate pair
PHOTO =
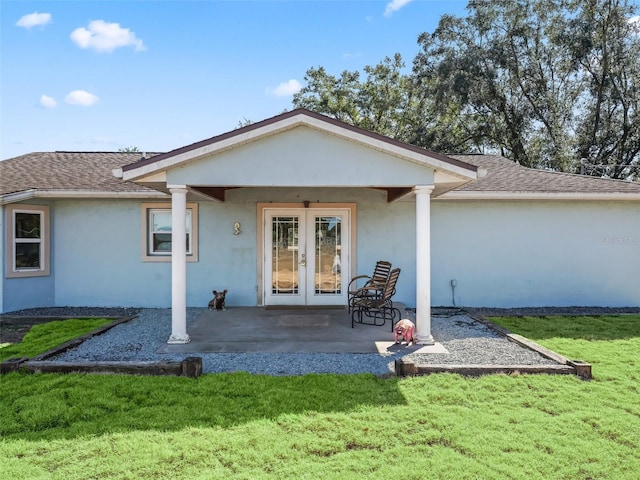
(303, 157)
(301, 148)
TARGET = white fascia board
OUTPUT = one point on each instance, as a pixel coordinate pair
(71, 194)
(475, 195)
(386, 147)
(441, 176)
(158, 177)
(17, 196)
(211, 149)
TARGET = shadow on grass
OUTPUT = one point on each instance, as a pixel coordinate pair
(48, 406)
(590, 328)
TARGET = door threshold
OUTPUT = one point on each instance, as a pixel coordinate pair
(305, 307)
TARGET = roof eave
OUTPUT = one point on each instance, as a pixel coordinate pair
(71, 194)
(568, 196)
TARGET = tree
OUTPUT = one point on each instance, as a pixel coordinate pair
(607, 48)
(505, 70)
(382, 103)
(243, 123)
(129, 149)
(545, 83)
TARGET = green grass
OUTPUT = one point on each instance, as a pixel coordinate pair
(334, 426)
(43, 337)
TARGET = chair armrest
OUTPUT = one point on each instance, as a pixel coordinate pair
(359, 277)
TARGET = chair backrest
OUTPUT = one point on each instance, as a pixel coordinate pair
(381, 272)
(390, 286)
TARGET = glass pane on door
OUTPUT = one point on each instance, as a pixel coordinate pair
(328, 255)
(284, 256)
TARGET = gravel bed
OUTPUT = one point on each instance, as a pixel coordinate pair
(468, 342)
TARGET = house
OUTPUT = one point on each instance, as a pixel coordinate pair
(285, 211)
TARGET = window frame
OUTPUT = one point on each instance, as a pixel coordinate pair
(11, 270)
(148, 255)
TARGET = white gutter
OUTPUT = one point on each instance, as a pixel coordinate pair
(493, 195)
(17, 196)
(33, 193)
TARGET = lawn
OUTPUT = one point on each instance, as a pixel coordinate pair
(334, 426)
(44, 337)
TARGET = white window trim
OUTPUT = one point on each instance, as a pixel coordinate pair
(45, 251)
(147, 237)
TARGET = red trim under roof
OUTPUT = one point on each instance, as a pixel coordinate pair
(293, 113)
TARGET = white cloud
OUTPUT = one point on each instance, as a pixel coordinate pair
(635, 22)
(33, 20)
(48, 102)
(394, 6)
(81, 97)
(106, 37)
(286, 89)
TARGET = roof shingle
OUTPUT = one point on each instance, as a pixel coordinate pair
(503, 175)
(67, 171)
(92, 172)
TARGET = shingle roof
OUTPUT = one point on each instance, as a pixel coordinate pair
(67, 171)
(503, 175)
(92, 172)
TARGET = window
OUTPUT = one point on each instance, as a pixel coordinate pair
(27, 240)
(157, 232)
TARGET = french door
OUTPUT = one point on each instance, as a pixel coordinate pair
(306, 256)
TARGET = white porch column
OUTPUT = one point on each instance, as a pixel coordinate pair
(178, 265)
(423, 264)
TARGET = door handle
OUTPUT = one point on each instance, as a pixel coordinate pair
(303, 260)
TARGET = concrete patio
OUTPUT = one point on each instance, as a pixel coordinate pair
(286, 330)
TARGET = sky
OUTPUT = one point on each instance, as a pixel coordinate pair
(159, 75)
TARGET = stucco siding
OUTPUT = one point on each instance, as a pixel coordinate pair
(98, 248)
(3, 234)
(98, 256)
(501, 254)
(380, 231)
(299, 158)
(536, 253)
(387, 232)
(30, 292)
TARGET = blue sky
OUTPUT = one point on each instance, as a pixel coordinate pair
(158, 75)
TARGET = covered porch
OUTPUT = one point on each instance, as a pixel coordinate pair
(303, 151)
(290, 330)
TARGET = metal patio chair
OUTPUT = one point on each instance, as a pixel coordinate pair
(371, 286)
(377, 310)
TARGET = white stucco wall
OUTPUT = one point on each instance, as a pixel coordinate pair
(31, 292)
(98, 256)
(501, 254)
(3, 255)
(509, 254)
(98, 248)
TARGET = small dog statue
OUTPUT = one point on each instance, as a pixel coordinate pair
(405, 329)
(217, 303)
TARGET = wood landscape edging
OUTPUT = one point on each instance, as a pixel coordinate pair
(189, 367)
(192, 366)
(565, 366)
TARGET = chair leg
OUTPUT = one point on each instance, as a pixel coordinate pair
(393, 316)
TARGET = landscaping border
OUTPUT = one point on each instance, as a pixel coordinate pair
(565, 366)
(192, 366)
(189, 367)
